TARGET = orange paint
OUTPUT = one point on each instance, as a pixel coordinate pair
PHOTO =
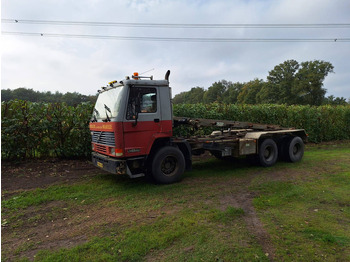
(101, 126)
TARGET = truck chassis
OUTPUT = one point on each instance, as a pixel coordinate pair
(169, 158)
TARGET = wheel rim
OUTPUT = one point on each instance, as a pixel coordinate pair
(296, 149)
(169, 165)
(269, 153)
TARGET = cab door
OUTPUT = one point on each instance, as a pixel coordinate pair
(142, 121)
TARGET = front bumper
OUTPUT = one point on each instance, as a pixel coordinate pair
(112, 165)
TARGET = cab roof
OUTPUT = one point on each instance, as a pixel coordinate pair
(142, 82)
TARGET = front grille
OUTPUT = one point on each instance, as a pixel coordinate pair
(103, 138)
(101, 148)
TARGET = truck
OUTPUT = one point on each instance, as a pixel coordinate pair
(132, 133)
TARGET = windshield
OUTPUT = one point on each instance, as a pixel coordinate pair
(107, 105)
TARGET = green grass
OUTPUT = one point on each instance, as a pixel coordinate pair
(304, 208)
(309, 217)
(174, 233)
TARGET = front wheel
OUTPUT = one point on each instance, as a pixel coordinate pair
(268, 153)
(168, 165)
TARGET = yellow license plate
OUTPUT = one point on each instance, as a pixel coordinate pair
(100, 164)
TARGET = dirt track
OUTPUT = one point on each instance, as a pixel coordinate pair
(38, 174)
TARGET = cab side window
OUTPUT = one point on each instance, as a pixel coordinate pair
(141, 100)
(149, 101)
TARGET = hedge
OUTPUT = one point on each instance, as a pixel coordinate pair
(31, 130)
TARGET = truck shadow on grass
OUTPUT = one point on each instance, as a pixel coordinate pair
(215, 167)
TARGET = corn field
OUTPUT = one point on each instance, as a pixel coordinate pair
(37, 130)
(322, 123)
(31, 130)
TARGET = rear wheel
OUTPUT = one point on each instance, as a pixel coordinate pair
(268, 153)
(295, 149)
(168, 165)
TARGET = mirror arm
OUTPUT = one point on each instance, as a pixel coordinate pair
(136, 117)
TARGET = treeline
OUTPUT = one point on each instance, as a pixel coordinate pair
(288, 83)
(26, 94)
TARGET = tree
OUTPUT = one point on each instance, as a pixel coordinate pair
(35, 96)
(331, 100)
(73, 98)
(6, 95)
(294, 83)
(248, 94)
(194, 96)
(180, 98)
(308, 87)
(215, 92)
(280, 81)
(231, 94)
(25, 94)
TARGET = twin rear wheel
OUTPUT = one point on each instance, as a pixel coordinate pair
(291, 149)
(268, 153)
(168, 165)
(295, 149)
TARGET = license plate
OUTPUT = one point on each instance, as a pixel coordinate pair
(99, 164)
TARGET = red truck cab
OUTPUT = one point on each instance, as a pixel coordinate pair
(129, 119)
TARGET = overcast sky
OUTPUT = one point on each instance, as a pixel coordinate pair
(84, 65)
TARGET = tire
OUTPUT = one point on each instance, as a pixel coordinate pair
(268, 153)
(295, 149)
(168, 165)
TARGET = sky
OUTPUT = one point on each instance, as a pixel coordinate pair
(83, 65)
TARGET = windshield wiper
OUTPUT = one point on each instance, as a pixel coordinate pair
(109, 110)
(94, 119)
(94, 115)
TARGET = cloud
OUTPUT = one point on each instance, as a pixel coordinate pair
(83, 65)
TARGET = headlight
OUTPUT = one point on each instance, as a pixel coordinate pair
(112, 151)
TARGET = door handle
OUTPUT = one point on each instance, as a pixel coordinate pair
(156, 120)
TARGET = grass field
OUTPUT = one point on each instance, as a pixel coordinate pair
(221, 211)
